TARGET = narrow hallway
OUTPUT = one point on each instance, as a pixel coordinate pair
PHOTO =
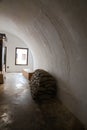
(19, 112)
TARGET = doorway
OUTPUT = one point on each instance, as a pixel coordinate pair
(5, 57)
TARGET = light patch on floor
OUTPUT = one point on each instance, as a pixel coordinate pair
(19, 112)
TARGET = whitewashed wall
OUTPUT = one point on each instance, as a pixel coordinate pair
(56, 32)
(11, 44)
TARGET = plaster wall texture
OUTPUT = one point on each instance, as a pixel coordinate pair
(11, 44)
(56, 32)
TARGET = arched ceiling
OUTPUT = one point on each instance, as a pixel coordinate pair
(56, 32)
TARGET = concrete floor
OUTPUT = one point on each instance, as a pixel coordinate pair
(19, 112)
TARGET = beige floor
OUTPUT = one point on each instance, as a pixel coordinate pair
(19, 112)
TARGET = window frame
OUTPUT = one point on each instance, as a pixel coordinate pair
(16, 56)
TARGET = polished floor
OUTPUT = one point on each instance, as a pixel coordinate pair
(19, 112)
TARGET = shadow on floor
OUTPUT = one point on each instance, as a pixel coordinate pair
(18, 111)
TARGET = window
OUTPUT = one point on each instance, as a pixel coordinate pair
(21, 56)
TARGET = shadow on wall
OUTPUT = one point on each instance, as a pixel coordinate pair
(65, 95)
(54, 114)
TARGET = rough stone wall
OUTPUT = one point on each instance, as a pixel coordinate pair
(42, 85)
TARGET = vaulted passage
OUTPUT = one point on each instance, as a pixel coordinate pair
(56, 33)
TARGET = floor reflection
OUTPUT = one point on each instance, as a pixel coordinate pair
(19, 112)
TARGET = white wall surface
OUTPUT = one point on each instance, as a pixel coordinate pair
(56, 32)
(11, 44)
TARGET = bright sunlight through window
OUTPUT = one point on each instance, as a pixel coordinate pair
(21, 56)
